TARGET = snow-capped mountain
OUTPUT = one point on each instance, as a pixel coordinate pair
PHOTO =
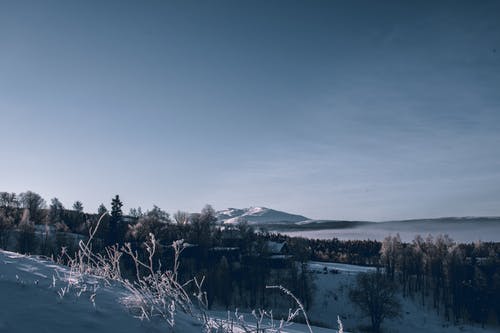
(257, 215)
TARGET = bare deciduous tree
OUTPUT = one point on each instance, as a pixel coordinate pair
(375, 294)
(35, 204)
(181, 218)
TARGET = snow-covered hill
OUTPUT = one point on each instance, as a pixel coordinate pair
(40, 296)
(333, 282)
(257, 215)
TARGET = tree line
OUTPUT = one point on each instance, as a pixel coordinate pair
(232, 260)
(460, 281)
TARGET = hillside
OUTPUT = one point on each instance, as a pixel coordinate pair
(35, 287)
(41, 296)
(333, 282)
(258, 215)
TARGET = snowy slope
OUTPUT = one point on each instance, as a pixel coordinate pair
(257, 215)
(321, 267)
(333, 282)
(31, 291)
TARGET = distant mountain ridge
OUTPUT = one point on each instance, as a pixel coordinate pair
(279, 220)
(449, 219)
(258, 215)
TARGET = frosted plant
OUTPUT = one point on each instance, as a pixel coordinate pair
(157, 293)
(260, 320)
(341, 327)
(300, 308)
(153, 293)
(62, 291)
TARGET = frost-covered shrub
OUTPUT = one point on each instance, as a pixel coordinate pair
(156, 292)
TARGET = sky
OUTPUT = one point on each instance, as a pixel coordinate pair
(362, 110)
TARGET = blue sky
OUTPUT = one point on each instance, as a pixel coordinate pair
(330, 109)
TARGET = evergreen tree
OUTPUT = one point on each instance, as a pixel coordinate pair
(116, 208)
(76, 218)
(78, 206)
(115, 221)
(101, 210)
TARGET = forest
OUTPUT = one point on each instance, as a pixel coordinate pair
(460, 281)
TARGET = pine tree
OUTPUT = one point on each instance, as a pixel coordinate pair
(101, 210)
(116, 208)
(78, 206)
(114, 235)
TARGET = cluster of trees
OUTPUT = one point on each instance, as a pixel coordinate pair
(356, 252)
(234, 275)
(461, 281)
(29, 225)
(20, 212)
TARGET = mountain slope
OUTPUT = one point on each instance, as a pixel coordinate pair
(257, 215)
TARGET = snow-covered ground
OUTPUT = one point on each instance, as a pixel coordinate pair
(40, 296)
(333, 267)
(32, 298)
(257, 215)
(332, 299)
(294, 328)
